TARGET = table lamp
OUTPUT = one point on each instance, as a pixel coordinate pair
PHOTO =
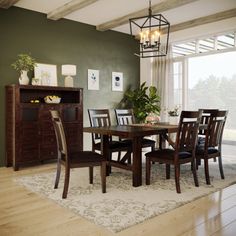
(68, 71)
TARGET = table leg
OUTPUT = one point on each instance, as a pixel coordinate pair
(105, 151)
(137, 161)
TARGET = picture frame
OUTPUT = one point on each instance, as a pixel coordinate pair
(117, 81)
(46, 73)
(93, 79)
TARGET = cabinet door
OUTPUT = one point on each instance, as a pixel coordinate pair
(73, 123)
(48, 145)
(27, 133)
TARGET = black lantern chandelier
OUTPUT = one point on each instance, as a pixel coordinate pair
(153, 34)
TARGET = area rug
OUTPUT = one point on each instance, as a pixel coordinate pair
(123, 205)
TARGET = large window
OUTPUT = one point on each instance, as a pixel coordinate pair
(212, 84)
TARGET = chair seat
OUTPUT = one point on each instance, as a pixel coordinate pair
(145, 142)
(167, 154)
(210, 150)
(85, 156)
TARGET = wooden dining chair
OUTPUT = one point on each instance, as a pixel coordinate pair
(211, 148)
(101, 118)
(126, 117)
(76, 159)
(183, 150)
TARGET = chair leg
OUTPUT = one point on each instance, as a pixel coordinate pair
(153, 149)
(221, 168)
(167, 171)
(177, 175)
(66, 182)
(148, 170)
(103, 176)
(206, 167)
(193, 167)
(58, 174)
(119, 156)
(91, 174)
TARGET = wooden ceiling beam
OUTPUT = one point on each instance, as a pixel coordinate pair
(158, 8)
(7, 3)
(203, 20)
(68, 8)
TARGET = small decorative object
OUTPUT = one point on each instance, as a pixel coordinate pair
(46, 73)
(93, 79)
(52, 99)
(152, 118)
(24, 63)
(36, 81)
(117, 81)
(68, 71)
(34, 101)
(174, 116)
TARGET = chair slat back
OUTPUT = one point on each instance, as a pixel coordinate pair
(187, 131)
(98, 118)
(215, 129)
(206, 113)
(59, 132)
(124, 116)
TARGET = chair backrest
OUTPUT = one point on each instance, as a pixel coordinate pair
(186, 137)
(59, 132)
(124, 116)
(206, 113)
(98, 118)
(214, 132)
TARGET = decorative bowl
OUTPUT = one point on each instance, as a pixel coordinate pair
(52, 99)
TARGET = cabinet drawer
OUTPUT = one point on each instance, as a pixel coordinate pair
(48, 153)
(47, 128)
(48, 140)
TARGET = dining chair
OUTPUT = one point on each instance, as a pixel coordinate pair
(183, 149)
(206, 113)
(211, 148)
(126, 117)
(76, 159)
(101, 118)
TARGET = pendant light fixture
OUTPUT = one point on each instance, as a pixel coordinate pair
(153, 33)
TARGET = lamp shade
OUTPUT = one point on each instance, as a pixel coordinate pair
(68, 69)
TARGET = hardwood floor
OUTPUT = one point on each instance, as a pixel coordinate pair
(26, 213)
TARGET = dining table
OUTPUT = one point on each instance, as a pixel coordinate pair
(134, 132)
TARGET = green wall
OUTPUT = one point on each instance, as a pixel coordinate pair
(65, 42)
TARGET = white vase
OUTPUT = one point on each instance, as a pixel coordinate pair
(24, 79)
(174, 120)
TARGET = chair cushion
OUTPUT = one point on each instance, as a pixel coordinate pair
(114, 145)
(85, 156)
(167, 154)
(200, 150)
(145, 142)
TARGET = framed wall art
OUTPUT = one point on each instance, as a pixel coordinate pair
(46, 73)
(93, 79)
(117, 81)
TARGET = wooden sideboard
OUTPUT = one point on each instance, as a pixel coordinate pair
(30, 136)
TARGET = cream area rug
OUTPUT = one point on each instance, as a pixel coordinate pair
(123, 205)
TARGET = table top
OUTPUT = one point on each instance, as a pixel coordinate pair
(129, 131)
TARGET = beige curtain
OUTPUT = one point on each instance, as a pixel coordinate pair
(162, 77)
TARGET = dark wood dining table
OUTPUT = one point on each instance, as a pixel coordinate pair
(135, 133)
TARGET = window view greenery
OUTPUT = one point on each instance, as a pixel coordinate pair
(212, 84)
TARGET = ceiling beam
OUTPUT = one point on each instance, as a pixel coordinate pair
(7, 3)
(68, 8)
(203, 20)
(158, 8)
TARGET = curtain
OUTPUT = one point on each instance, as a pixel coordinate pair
(162, 78)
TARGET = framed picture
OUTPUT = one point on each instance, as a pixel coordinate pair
(46, 73)
(117, 81)
(93, 79)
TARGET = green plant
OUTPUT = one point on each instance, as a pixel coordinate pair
(143, 100)
(174, 112)
(24, 62)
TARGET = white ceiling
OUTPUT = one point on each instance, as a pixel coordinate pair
(105, 10)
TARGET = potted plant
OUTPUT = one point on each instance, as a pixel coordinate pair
(144, 101)
(24, 63)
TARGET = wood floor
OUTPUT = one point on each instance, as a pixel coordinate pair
(26, 213)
